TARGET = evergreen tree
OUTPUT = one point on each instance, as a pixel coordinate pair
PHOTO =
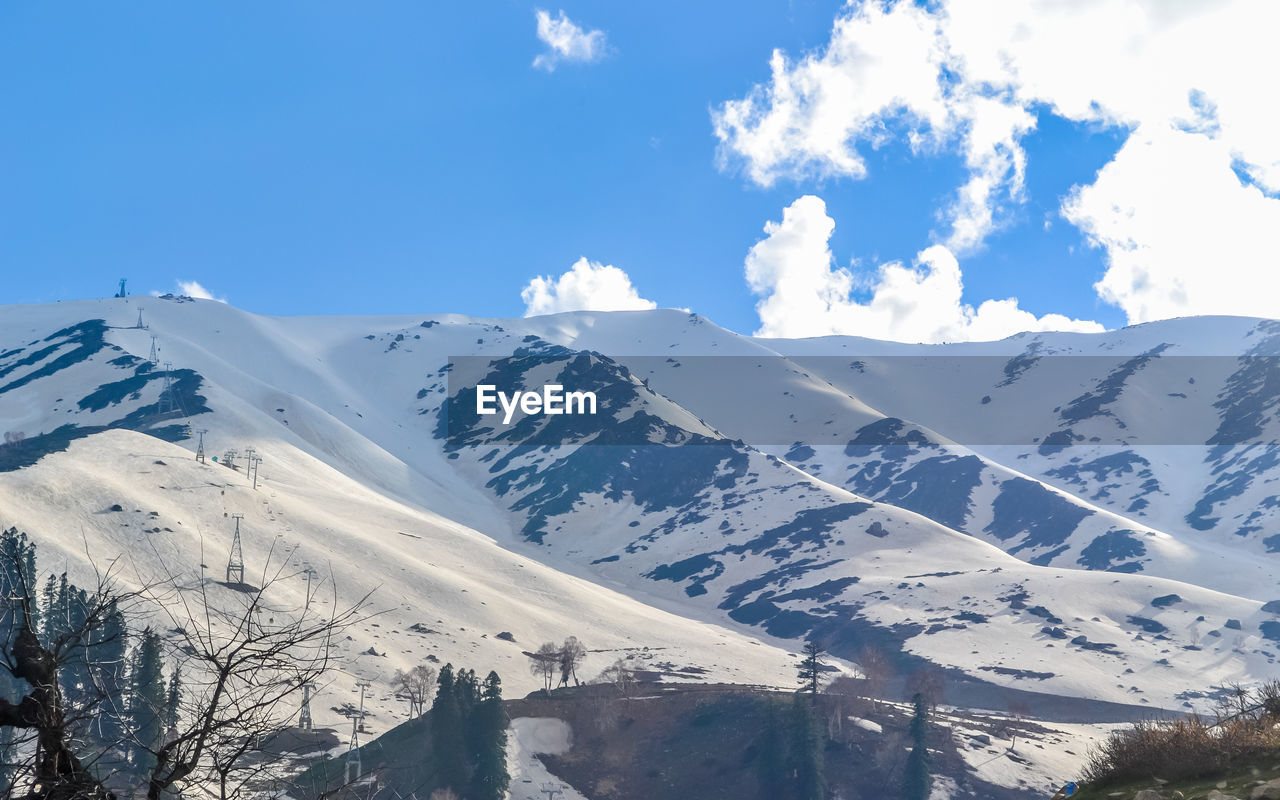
(805, 752)
(107, 667)
(444, 688)
(771, 760)
(467, 692)
(17, 581)
(77, 680)
(17, 564)
(448, 742)
(810, 668)
(146, 704)
(173, 701)
(50, 627)
(916, 781)
(489, 727)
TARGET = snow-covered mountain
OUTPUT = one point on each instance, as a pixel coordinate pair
(1088, 516)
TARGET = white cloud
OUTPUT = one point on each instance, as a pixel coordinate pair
(587, 286)
(192, 289)
(885, 71)
(803, 293)
(1181, 233)
(1186, 79)
(566, 41)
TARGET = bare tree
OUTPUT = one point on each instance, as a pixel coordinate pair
(876, 669)
(543, 663)
(572, 653)
(244, 660)
(43, 711)
(622, 677)
(928, 682)
(54, 695)
(415, 686)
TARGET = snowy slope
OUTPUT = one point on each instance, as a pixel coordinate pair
(441, 591)
(921, 519)
(1172, 426)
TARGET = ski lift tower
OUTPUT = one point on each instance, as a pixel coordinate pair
(200, 447)
(252, 460)
(168, 397)
(304, 719)
(353, 755)
(121, 292)
(310, 572)
(235, 564)
(363, 685)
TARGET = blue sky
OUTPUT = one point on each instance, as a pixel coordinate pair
(339, 158)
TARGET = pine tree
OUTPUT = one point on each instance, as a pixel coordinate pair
(810, 668)
(107, 665)
(489, 724)
(54, 620)
(805, 754)
(467, 692)
(146, 700)
(771, 760)
(448, 742)
(916, 781)
(17, 581)
(173, 701)
(76, 675)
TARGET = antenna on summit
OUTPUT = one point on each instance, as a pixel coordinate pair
(235, 564)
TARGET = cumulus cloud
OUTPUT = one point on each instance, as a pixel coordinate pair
(586, 286)
(566, 41)
(886, 71)
(1181, 239)
(803, 292)
(1184, 79)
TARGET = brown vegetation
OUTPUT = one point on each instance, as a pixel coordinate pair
(1244, 728)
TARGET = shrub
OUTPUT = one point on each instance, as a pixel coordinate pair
(1184, 748)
